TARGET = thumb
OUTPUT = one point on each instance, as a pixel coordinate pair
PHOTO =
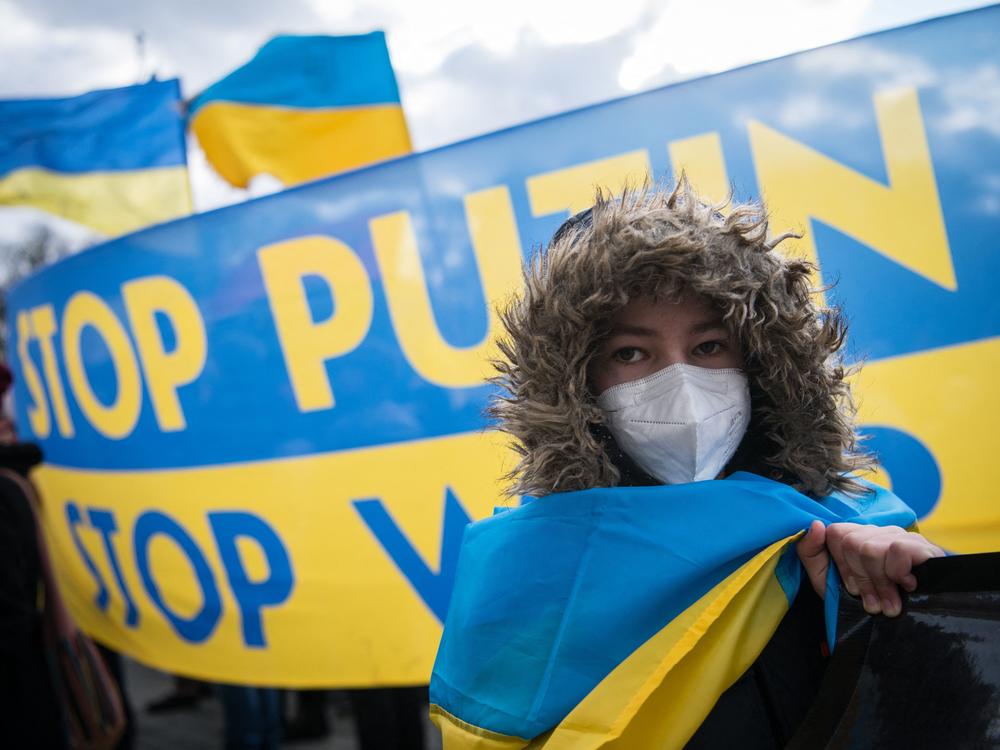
(814, 556)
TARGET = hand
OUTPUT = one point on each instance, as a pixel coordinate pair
(8, 436)
(871, 560)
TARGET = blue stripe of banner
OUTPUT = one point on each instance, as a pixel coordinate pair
(311, 72)
(134, 127)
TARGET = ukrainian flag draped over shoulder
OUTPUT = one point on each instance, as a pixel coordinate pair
(304, 107)
(616, 617)
(113, 160)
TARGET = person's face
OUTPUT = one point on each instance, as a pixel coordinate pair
(649, 335)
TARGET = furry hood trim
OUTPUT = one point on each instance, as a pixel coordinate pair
(662, 243)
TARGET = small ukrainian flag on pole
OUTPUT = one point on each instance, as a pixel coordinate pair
(303, 108)
(112, 160)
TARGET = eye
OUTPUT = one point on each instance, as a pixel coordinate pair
(710, 348)
(628, 355)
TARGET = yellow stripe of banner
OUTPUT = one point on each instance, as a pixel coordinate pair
(947, 399)
(113, 203)
(296, 145)
(342, 573)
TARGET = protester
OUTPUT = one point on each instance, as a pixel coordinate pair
(57, 688)
(660, 344)
(30, 710)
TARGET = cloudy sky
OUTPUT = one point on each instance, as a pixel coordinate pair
(464, 68)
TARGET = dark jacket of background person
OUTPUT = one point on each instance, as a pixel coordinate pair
(30, 714)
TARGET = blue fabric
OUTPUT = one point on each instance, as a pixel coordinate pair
(550, 597)
(135, 127)
(311, 72)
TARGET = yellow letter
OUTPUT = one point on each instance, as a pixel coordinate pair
(902, 221)
(38, 411)
(700, 158)
(497, 248)
(166, 371)
(573, 188)
(307, 344)
(117, 420)
(43, 321)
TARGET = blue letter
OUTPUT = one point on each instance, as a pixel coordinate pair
(252, 596)
(433, 588)
(199, 627)
(104, 521)
(74, 519)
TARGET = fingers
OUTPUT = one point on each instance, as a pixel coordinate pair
(904, 554)
(874, 561)
(835, 536)
(866, 550)
(813, 554)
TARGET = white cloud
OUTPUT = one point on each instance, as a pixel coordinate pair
(989, 205)
(60, 61)
(423, 35)
(714, 35)
(804, 111)
(475, 90)
(888, 69)
(973, 101)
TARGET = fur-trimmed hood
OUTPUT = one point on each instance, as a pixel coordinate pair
(662, 243)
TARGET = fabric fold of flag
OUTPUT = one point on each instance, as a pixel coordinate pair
(616, 617)
(304, 107)
(113, 160)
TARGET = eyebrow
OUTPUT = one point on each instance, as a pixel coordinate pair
(622, 329)
(712, 324)
(626, 329)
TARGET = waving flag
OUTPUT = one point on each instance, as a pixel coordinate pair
(303, 108)
(113, 160)
(584, 615)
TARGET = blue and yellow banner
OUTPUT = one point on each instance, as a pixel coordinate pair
(264, 427)
(113, 160)
(304, 107)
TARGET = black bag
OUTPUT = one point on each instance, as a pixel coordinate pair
(929, 678)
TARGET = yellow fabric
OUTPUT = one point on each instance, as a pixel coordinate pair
(456, 733)
(296, 145)
(113, 203)
(660, 694)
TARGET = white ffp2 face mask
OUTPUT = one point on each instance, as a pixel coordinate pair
(681, 424)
